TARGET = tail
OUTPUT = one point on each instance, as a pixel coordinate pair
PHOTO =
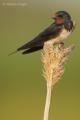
(12, 53)
(33, 49)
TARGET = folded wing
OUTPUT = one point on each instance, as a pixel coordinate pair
(37, 43)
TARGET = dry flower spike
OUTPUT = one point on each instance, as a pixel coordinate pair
(53, 60)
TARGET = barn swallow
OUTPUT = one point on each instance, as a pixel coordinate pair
(56, 33)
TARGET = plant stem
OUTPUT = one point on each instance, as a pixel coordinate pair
(47, 104)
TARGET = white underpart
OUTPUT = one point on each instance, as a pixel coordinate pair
(63, 35)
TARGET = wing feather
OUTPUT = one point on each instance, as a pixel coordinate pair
(48, 33)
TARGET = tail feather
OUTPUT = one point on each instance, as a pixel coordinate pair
(34, 49)
(12, 53)
(26, 46)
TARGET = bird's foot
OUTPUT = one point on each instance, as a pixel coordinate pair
(61, 46)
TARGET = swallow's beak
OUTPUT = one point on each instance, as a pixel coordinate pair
(54, 18)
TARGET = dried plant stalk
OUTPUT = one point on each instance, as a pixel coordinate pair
(53, 60)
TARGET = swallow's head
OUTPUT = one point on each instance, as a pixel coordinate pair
(61, 16)
(64, 18)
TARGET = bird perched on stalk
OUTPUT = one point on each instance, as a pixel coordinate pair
(56, 33)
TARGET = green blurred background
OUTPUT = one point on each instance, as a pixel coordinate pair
(22, 86)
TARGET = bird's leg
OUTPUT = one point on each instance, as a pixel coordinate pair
(61, 45)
